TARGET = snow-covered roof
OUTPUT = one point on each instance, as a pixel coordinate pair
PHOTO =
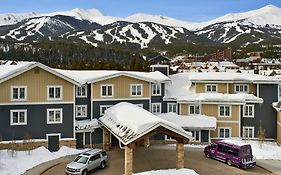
(197, 122)
(277, 105)
(8, 71)
(220, 97)
(129, 122)
(230, 77)
(83, 125)
(90, 76)
(181, 89)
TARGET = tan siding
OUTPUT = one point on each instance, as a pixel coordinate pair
(183, 109)
(279, 127)
(222, 88)
(212, 110)
(200, 87)
(121, 87)
(279, 134)
(36, 86)
(252, 88)
(234, 129)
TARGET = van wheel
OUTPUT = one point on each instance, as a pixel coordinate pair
(229, 162)
(84, 172)
(102, 165)
(207, 155)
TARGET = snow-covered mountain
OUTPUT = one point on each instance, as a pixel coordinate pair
(261, 26)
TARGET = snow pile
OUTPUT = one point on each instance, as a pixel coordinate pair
(267, 150)
(129, 121)
(86, 124)
(191, 121)
(183, 171)
(22, 161)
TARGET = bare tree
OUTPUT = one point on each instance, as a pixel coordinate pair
(27, 143)
(261, 134)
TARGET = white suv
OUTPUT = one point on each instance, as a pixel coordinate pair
(86, 162)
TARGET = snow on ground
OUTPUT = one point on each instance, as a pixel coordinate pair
(22, 161)
(191, 145)
(169, 172)
(267, 150)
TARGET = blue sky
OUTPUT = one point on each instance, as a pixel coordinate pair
(189, 10)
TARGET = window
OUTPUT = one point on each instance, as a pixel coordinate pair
(54, 116)
(103, 108)
(211, 88)
(241, 88)
(249, 111)
(107, 90)
(224, 132)
(18, 117)
(18, 93)
(81, 111)
(156, 108)
(196, 136)
(248, 132)
(156, 89)
(173, 107)
(81, 91)
(54, 92)
(224, 111)
(136, 89)
(194, 109)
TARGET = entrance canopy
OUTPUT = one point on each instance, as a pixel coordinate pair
(128, 123)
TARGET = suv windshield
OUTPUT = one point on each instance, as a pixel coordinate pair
(81, 159)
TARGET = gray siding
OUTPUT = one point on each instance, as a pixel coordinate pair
(264, 113)
(159, 99)
(164, 70)
(96, 105)
(85, 101)
(36, 122)
(97, 136)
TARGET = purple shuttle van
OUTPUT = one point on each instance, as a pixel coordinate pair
(232, 153)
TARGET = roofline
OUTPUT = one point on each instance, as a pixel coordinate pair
(146, 132)
(44, 67)
(238, 81)
(118, 74)
(201, 128)
(210, 102)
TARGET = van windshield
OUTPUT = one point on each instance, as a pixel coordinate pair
(81, 159)
(246, 151)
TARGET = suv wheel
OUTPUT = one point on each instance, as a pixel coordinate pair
(84, 172)
(229, 162)
(102, 165)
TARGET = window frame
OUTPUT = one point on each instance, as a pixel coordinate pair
(131, 90)
(168, 107)
(225, 116)
(160, 108)
(12, 123)
(224, 128)
(153, 85)
(248, 127)
(104, 106)
(18, 90)
(81, 106)
(55, 86)
(107, 85)
(211, 85)
(80, 88)
(189, 111)
(194, 138)
(235, 91)
(253, 111)
(48, 115)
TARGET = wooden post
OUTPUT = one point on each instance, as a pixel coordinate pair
(106, 139)
(179, 155)
(128, 160)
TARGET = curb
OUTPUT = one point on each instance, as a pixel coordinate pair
(50, 168)
(264, 168)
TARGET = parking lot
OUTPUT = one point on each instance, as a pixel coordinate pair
(162, 157)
